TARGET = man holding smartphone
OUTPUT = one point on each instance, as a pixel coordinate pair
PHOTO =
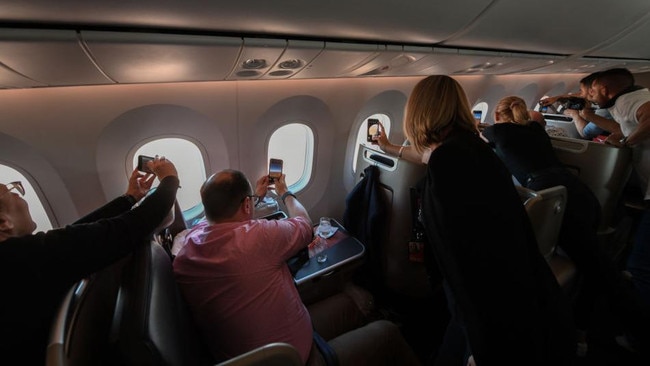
(233, 274)
(39, 268)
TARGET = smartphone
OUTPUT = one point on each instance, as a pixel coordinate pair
(142, 163)
(275, 169)
(478, 114)
(373, 128)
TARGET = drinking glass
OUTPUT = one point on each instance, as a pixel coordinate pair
(321, 245)
(325, 227)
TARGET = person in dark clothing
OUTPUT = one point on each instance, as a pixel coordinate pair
(506, 306)
(38, 269)
(526, 150)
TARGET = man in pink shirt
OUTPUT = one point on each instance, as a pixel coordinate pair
(232, 272)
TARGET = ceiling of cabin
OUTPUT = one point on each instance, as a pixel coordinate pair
(82, 42)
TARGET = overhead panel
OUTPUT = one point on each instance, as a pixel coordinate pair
(495, 63)
(156, 58)
(627, 45)
(9, 79)
(419, 59)
(389, 61)
(257, 57)
(588, 65)
(296, 57)
(554, 27)
(49, 57)
(339, 60)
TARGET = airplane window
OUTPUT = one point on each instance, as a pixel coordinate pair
(36, 208)
(294, 144)
(480, 112)
(188, 160)
(361, 136)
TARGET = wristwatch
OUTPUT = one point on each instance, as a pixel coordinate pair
(287, 194)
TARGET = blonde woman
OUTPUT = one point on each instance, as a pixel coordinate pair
(506, 305)
(526, 150)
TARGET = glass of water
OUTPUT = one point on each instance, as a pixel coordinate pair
(325, 228)
(319, 249)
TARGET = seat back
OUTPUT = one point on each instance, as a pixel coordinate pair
(154, 325)
(545, 210)
(605, 169)
(81, 331)
(397, 179)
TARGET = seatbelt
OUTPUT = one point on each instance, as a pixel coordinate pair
(326, 350)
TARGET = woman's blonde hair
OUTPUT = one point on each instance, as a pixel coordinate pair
(513, 109)
(436, 102)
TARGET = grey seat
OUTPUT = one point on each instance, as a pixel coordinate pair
(397, 179)
(545, 209)
(132, 314)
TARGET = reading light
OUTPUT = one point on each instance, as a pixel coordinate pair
(254, 63)
(290, 64)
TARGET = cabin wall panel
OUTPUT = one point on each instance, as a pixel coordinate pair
(65, 125)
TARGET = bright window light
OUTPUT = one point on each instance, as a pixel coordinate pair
(188, 161)
(36, 208)
(294, 144)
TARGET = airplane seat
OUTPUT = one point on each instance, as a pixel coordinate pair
(171, 225)
(403, 273)
(605, 169)
(559, 125)
(152, 324)
(81, 331)
(545, 209)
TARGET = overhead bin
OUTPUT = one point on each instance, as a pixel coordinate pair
(129, 57)
(392, 59)
(340, 60)
(10, 79)
(43, 57)
(588, 65)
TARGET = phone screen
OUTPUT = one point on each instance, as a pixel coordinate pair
(373, 128)
(275, 168)
(478, 115)
(142, 163)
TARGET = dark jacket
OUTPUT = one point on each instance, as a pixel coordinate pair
(37, 270)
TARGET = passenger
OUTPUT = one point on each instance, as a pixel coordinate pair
(505, 303)
(589, 122)
(38, 269)
(527, 151)
(233, 274)
(614, 89)
(537, 117)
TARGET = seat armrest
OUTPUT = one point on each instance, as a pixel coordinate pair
(272, 354)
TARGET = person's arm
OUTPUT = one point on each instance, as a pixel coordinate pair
(642, 132)
(579, 122)
(406, 152)
(294, 207)
(606, 124)
(545, 102)
(139, 185)
(85, 248)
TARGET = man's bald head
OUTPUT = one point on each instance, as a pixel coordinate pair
(223, 192)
